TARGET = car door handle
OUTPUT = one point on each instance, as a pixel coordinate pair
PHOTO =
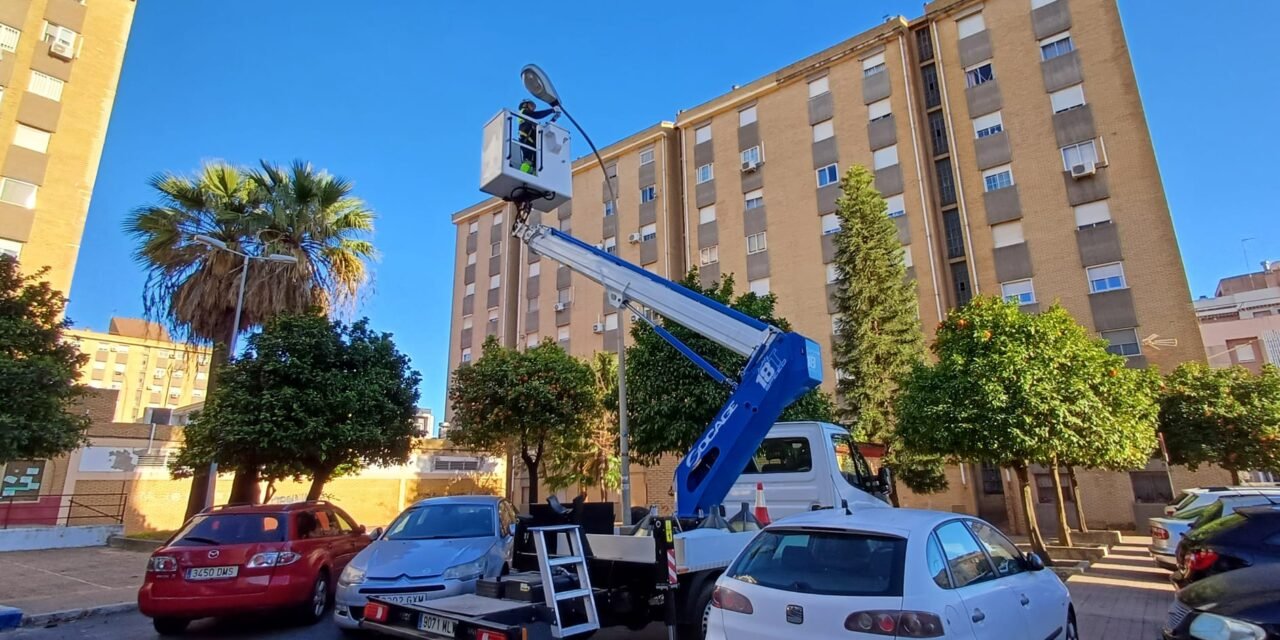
(1025, 600)
(978, 615)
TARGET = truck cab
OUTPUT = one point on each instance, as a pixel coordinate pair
(803, 465)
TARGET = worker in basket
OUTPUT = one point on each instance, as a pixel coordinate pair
(528, 133)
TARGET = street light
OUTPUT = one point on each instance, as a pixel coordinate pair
(539, 84)
(219, 245)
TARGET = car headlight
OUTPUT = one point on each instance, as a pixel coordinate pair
(466, 570)
(351, 575)
(1208, 626)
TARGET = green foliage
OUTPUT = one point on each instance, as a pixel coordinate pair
(670, 401)
(311, 397)
(38, 370)
(590, 458)
(1228, 417)
(528, 402)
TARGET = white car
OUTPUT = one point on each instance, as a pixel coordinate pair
(878, 573)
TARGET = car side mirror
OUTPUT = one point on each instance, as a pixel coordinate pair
(376, 533)
(1034, 561)
(885, 479)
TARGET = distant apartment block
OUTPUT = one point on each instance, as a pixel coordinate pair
(1240, 324)
(59, 65)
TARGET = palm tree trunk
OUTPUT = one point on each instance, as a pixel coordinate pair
(1029, 513)
(1075, 496)
(1064, 527)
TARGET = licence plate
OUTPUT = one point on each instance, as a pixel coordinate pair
(404, 598)
(212, 573)
(436, 625)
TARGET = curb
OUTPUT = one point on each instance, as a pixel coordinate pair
(134, 544)
(58, 617)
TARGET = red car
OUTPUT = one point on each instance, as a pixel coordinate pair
(236, 559)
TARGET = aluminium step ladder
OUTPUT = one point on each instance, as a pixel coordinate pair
(574, 560)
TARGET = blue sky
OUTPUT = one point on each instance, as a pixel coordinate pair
(392, 95)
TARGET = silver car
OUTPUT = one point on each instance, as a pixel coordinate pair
(438, 547)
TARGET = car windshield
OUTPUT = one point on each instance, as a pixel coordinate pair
(823, 562)
(230, 528)
(436, 521)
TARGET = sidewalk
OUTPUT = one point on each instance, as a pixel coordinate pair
(1123, 596)
(44, 582)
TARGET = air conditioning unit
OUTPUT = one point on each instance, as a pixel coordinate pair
(561, 306)
(62, 49)
(1083, 170)
(597, 327)
(600, 246)
(750, 165)
(633, 238)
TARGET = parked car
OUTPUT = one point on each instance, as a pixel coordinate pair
(1167, 532)
(1242, 604)
(887, 572)
(438, 547)
(1248, 536)
(236, 559)
(1190, 499)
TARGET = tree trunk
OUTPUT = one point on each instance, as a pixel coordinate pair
(531, 467)
(317, 483)
(1029, 513)
(1235, 477)
(244, 489)
(199, 493)
(1075, 496)
(1064, 527)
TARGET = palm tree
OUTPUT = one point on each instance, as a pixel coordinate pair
(192, 287)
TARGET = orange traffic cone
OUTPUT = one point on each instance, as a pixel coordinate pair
(762, 511)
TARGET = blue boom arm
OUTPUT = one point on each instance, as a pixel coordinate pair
(781, 366)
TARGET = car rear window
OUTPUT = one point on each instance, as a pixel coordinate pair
(1218, 526)
(835, 563)
(438, 521)
(230, 528)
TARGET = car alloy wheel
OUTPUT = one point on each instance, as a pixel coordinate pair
(320, 597)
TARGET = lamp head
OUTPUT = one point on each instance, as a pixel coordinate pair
(282, 257)
(210, 241)
(538, 84)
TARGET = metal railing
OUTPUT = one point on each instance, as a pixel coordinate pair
(63, 509)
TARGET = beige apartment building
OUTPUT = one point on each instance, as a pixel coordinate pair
(150, 372)
(59, 66)
(1007, 137)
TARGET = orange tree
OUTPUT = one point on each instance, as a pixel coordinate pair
(1017, 389)
(1228, 417)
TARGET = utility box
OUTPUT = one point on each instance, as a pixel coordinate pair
(536, 166)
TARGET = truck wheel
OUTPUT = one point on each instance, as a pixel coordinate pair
(170, 626)
(701, 605)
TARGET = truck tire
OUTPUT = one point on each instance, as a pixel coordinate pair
(702, 603)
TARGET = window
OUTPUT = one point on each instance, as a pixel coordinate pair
(933, 558)
(562, 334)
(988, 125)
(531, 340)
(158, 374)
(907, 261)
(818, 87)
(531, 304)
(873, 65)
(1055, 46)
(895, 206)
(1019, 291)
(649, 193)
(1036, 4)
(473, 227)
(833, 273)
(879, 109)
(60, 34)
(938, 132)
(981, 73)
(9, 39)
(707, 214)
(497, 219)
(781, 455)
(747, 116)
(756, 243)
(886, 157)
(495, 249)
(759, 287)
(829, 174)
(495, 281)
(1105, 277)
(610, 321)
(970, 25)
(946, 181)
(649, 232)
(535, 269)
(753, 199)
(611, 171)
(470, 289)
(646, 156)
(1085, 153)
(702, 134)
(998, 177)
(564, 296)
(1245, 352)
(932, 89)
(705, 173)
(611, 245)
(830, 224)
(467, 323)
(466, 354)
(1007, 234)
(18, 192)
(1150, 487)
(827, 563)
(610, 208)
(1066, 99)
(1004, 554)
(1094, 213)
(709, 255)
(493, 316)
(751, 156)
(1122, 342)
(953, 233)
(823, 130)
(471, 259)
(11, 248)
(45, 85)
(31, 138)
(965, 558)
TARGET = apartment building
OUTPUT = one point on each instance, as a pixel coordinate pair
(1240, 324)
(59, 65)
(150, 372)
